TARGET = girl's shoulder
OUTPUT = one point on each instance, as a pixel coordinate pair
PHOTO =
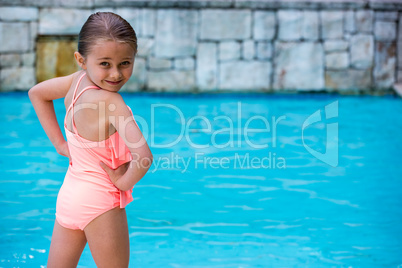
(93, 92)
(112, 101)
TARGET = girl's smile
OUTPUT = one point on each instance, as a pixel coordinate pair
(113, 83)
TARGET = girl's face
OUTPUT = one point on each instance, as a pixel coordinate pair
(109, 64)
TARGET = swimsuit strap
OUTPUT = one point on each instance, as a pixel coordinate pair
(75, 98)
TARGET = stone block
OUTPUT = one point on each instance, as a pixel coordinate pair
(385, 30)
(310, 25)
(337, 60)
(361, 51)
(264, 50)
(33, 28)
(220, 24)
(400, 27)
(172, 80)
(159, 64)
(335, 45)
(384, 64)
(176, 34)
(142, 20)
(248, 50)
(18, 13)
(386, 15)
(229, 50)
(69, 4)
(10, 60)
(138, 79)
(28, 59)
(184, 64)
(145, 46)
(14, 37)
(206, 66)
(399, 76)
(385, 4)
(399, 53)
(105, 9)
(17, 78)
(364, 21)
(299, 66)
(264, 25)
(332, 24)
(348, 80)
(290, 25)
(60, 21)
(245, 75)
(350, 23)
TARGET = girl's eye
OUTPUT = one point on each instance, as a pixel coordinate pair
(125, 63)
(104, 64)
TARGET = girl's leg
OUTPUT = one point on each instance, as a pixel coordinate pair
(108, 239)
(66, 247)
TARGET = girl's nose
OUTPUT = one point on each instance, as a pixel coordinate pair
(116, 74)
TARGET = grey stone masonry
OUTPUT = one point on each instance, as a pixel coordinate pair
(264, 50)
(332, 24)
(10, 60)
(310, 26)
(145, 46)
(264, 25)
(290, 25)
(248, 50)
(385, 30)
(53, 21)
(206, 67)
(159, 64)
(11, 78)
(18, 14)
(335, 45)
(184, 64)
(28, 59)
(347, 80)
(176, 34)
(364, 21)
(220, 24)
(229, 50)
(350, 22)
(203, 46)
(386, 15)
(337, 60)
(362, 51)
(245, 75)
(142, 20)
(172, 79)
(384, 65)
(14, 37)
(299, 66)
(137, 81)
(399, 46)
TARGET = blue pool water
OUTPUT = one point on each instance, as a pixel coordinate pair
(213, 198)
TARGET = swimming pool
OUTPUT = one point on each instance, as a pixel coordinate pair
(224, 190)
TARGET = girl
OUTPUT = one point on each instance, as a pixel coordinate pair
(98, 126)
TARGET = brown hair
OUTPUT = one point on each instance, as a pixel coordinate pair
(105, 26)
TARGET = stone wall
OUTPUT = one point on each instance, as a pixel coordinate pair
(208, 46)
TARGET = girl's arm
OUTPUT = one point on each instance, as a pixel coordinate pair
(122, 120)
(42, 96)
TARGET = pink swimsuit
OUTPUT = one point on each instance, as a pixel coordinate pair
(87, 191)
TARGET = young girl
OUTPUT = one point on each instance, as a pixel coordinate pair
(98, 126)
